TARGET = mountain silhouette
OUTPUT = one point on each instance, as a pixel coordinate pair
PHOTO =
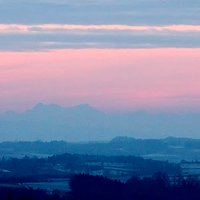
(85, 123)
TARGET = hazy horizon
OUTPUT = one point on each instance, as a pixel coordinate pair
(81, 123)
(178, 111)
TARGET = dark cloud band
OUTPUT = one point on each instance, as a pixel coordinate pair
(146, 12)
(61, 36)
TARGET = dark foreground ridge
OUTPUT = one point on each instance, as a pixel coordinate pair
(23, 170)
(87, 187)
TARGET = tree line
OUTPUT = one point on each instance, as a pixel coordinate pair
(88, 187)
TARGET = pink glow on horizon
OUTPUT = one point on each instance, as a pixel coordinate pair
(111, 79)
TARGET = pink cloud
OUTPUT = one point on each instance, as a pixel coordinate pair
(67, 27)
(110, 79)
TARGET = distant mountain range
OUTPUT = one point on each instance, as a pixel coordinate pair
(84, 123)
(171, 149)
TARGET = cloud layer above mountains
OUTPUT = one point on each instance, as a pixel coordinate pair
(112, 54)
(42, 25)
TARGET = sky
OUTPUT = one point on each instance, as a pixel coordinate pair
(114, 55)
